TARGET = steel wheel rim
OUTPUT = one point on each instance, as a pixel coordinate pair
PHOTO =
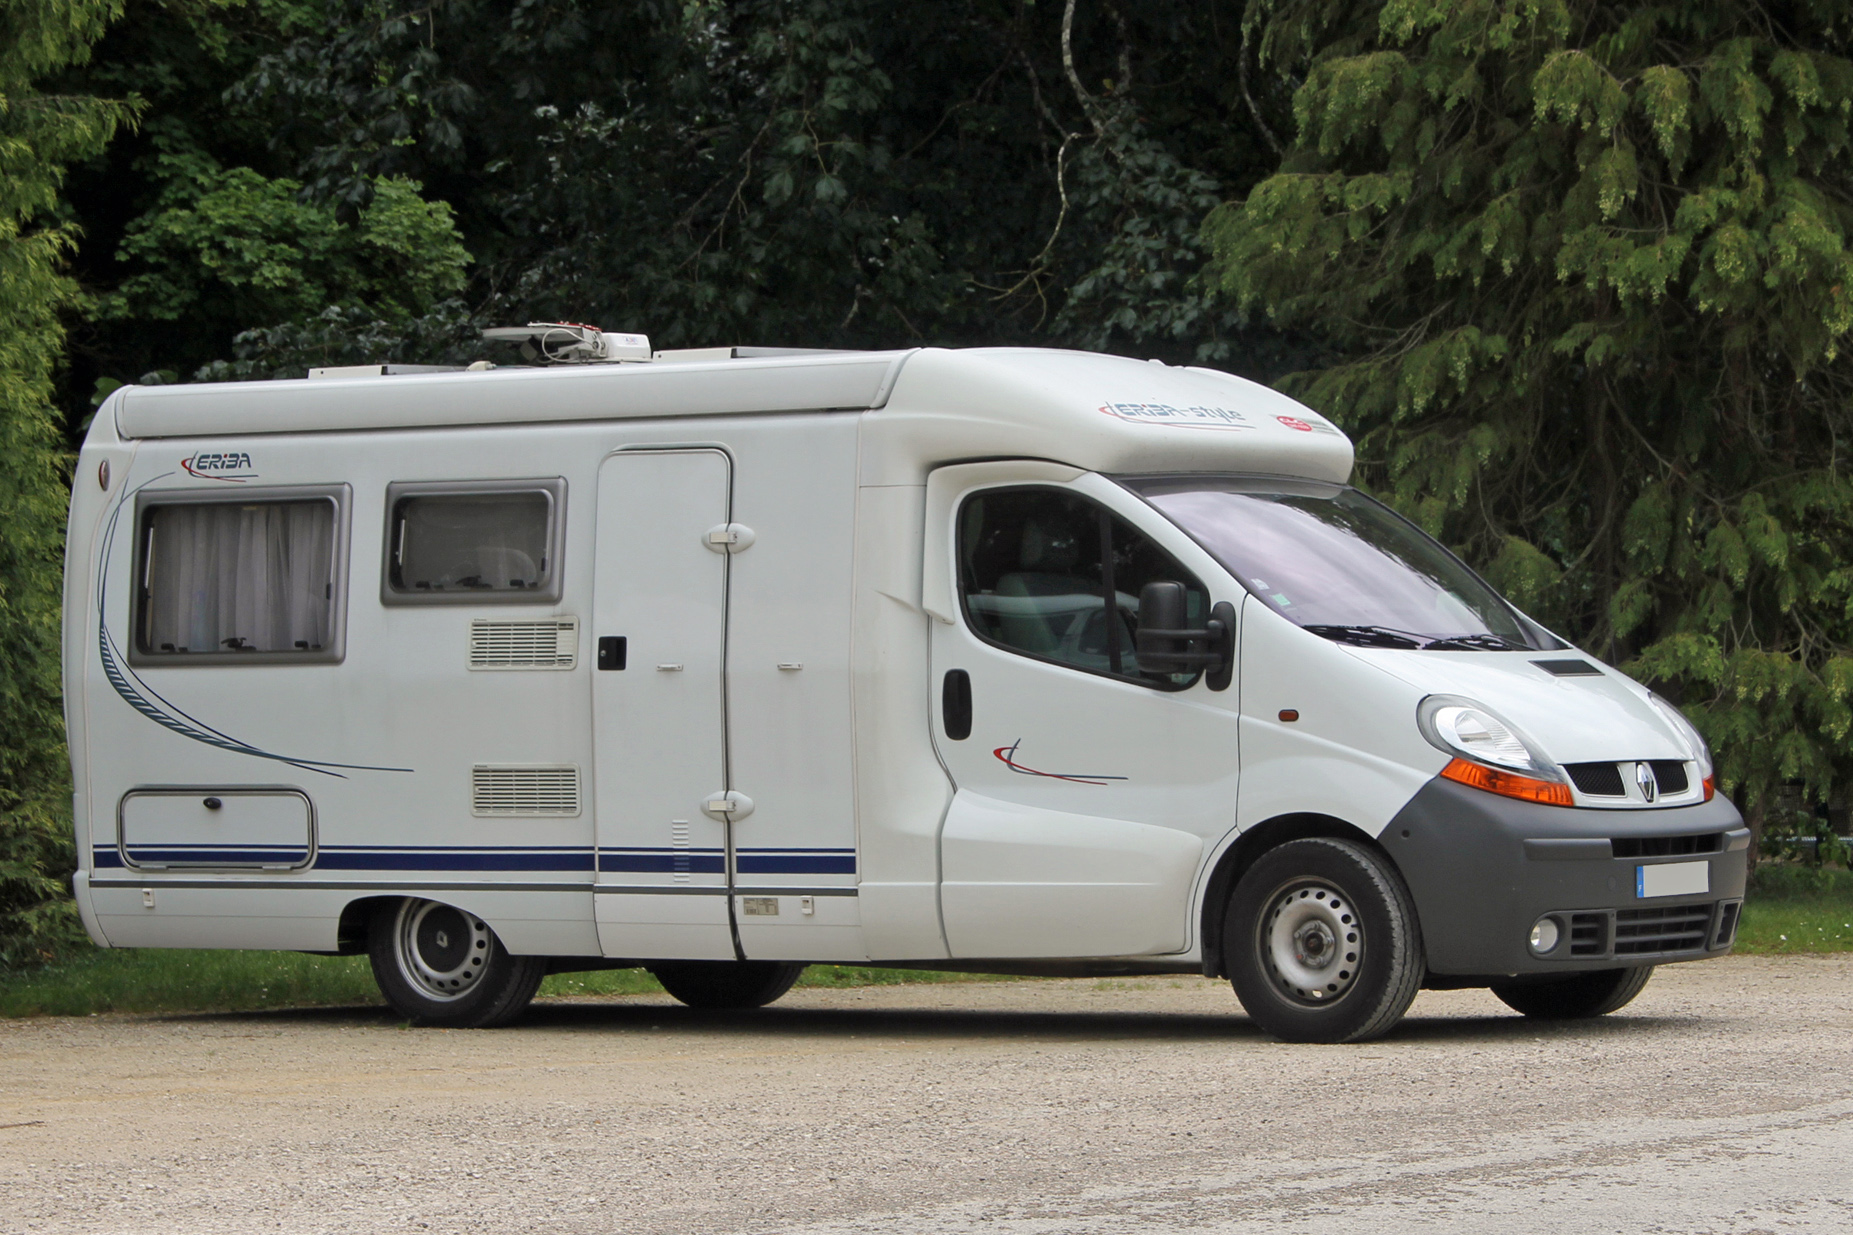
(441, 951)
(1312, 943)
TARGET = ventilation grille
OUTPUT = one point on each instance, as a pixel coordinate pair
(1679, 928)
(1669, 774)
(1568, 668)
(1602, 780)
(1589, 934)
(551, 643)
(1666, 846)
(497, 789)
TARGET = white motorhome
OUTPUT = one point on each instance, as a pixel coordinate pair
(721, 663)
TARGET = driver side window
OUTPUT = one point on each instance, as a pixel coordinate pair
(1049, 574)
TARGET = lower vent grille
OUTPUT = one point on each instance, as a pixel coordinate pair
(1676, 928)
(1727, 924)
(524, 789)
(1666, 846)
(1589, 934)
(550, 643)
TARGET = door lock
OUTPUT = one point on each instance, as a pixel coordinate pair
(730, 807)
(612, 651)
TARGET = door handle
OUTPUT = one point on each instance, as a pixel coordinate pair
(612, 651)
(955, 704)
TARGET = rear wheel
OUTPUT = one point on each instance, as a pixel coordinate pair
(726, 984)
(440, 966)
(1322, 943)
(1577, 996)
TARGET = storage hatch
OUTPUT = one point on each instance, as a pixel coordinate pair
(235, 827)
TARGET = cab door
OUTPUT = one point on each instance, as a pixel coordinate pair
(1087, 791)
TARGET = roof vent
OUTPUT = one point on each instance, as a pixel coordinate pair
(571, 343)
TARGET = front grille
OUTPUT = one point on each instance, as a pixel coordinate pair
(1666, 846)
(1601, 780)
(1669, 774)
(524, 790)
(1676, 928)
(1589, 934)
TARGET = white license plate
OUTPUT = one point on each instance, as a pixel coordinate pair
(1672, 879)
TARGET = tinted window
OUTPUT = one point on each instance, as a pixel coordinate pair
(470, 542)
(237, 578)
(1036, 569)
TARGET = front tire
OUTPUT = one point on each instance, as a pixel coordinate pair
(1576, 997)
(726, 984)
(1322, 943)
(439, 966)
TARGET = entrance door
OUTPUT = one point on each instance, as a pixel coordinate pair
(1088, 791)
(659, 705)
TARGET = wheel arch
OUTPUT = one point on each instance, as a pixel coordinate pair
(1246, 850)
(356, 915)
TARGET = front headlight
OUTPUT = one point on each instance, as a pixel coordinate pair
(1462, 727)
(1490, 753)
(1695, 741)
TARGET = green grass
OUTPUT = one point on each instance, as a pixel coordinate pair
(1793, 908)
(162, 980)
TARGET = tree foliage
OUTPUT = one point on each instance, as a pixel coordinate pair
(39, 134)
(1585, 271)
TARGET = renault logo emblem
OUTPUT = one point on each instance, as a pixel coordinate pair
(1644, 777)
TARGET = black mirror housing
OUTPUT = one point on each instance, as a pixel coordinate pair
(1167, 645)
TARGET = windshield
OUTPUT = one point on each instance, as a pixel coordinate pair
(1337, 563)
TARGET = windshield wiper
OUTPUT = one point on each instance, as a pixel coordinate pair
(1390, 637)
(1370, 636)
(1475, 643)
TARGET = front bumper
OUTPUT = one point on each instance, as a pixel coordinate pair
(1483, 869)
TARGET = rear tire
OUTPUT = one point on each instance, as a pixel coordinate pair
(1576, 997)
(1322, 943)
(439, 966)
(726, 984)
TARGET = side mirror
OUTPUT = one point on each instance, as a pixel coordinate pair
(1166, 645)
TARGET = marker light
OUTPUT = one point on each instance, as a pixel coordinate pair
(1508, 784)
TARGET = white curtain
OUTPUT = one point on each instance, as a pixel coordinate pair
(224, 577)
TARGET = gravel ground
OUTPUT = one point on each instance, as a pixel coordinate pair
(1717, 1102)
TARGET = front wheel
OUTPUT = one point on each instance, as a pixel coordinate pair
(1322, 943)
(440, 966)
(1577, 996)
(726, 984)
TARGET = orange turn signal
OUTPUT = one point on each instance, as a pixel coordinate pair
(1508, 784)
(1711, 787)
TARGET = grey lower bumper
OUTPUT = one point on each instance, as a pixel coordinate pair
(1484, 868)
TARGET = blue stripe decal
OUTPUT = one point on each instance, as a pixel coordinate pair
(638, 860)
(795, 864)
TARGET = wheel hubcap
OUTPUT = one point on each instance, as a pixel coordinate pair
(1312, 943)
(441, 951)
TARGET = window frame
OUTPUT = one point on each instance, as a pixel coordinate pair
(1108, 514)
(149, 500)
(552, 587)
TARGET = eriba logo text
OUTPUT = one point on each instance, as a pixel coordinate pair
(232, 465)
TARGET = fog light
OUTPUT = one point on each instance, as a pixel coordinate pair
(1544, 936)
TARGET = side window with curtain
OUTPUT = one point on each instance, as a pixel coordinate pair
(248, 581)
(1037, 568)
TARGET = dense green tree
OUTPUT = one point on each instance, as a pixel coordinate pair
(1584, 269)
(40, 134)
